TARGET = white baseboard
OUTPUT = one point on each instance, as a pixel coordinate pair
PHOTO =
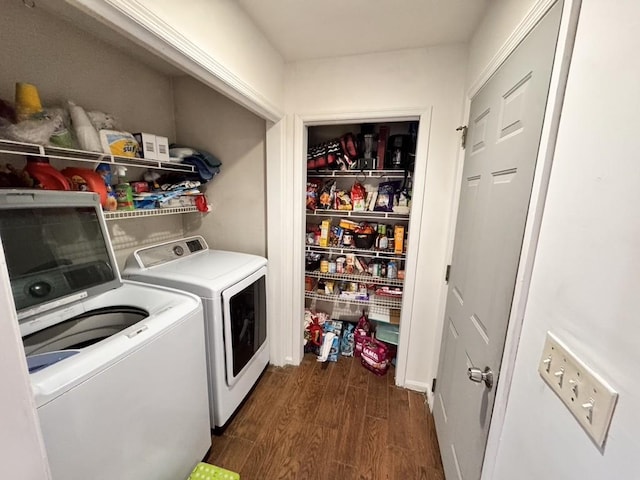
(416, 386)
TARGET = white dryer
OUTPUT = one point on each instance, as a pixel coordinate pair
(232, 287)
(117, 368)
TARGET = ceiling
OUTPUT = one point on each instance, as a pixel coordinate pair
(307, 29)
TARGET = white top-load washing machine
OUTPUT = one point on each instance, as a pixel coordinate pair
(117, 368)
(232, 287)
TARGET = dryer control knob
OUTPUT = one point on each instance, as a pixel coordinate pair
(39, 289)
(178, 250)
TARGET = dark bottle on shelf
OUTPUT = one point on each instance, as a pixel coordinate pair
(390, 240)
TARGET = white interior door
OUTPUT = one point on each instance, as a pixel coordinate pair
(505, 125)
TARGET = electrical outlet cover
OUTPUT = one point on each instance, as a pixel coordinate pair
(588, 397)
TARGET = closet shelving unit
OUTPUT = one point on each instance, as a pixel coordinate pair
(381, 308)
(66, 154)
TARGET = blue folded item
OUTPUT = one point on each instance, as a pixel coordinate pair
(207, 165)
(202, 168)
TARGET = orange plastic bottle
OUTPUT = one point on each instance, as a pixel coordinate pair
(47, 177)
(83, 179)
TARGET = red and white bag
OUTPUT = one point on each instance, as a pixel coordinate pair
(361, 334)
(376, 356)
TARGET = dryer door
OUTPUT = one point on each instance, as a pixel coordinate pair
(245, 322)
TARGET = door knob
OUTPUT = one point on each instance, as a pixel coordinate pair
(478, 376)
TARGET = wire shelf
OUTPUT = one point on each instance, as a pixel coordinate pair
(374, 300)
(356, 173)
(58, 153)
(357, 251)
(152, 212)
(369, 279)
(366, 214)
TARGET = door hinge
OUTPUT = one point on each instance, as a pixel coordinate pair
(447, 274)
(433, 385)
(463, 140)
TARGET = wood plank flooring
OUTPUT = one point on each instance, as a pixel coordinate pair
(340, 422)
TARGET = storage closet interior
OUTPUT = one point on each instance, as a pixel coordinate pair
(358, 205)
(86, 62)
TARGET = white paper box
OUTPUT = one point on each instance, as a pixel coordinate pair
(162, 148)
(147, 142)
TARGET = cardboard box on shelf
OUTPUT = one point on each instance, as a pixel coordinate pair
(386, 315)
(398, 239)
(162, 148)
(325, 228)
(147, 144)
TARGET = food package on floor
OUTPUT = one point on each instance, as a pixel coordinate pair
(313, 330)
(331, 330)
(361, 333)
(347, 343)
(376, 356)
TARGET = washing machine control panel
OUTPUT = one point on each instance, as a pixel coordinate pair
(159, 254)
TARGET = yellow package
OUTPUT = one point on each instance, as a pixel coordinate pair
(398, 237)
(121, 144)
(325, 228)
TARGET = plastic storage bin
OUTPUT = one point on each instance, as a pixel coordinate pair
(205, 471)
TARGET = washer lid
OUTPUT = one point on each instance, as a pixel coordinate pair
(57, 249)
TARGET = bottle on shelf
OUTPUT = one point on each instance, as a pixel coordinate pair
(392, 269)
(382, 237)
(324, 265)
(347, 238)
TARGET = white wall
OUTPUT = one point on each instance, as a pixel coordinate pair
(499, 21)
(205, 119)
(407, 79)
(585, 281)
(222, 30)
(67, 63)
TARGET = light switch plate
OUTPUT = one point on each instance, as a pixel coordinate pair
(590, 399)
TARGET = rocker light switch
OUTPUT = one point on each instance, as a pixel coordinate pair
(588, 397)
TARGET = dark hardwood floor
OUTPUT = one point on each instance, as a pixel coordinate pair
(340, 422)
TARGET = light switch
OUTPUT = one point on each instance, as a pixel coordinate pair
(588, 397)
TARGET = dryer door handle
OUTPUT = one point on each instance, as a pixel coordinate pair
(138, 331)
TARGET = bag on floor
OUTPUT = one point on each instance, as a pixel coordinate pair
(376, 356)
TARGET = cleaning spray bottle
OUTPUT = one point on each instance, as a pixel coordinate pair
(124, 193)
